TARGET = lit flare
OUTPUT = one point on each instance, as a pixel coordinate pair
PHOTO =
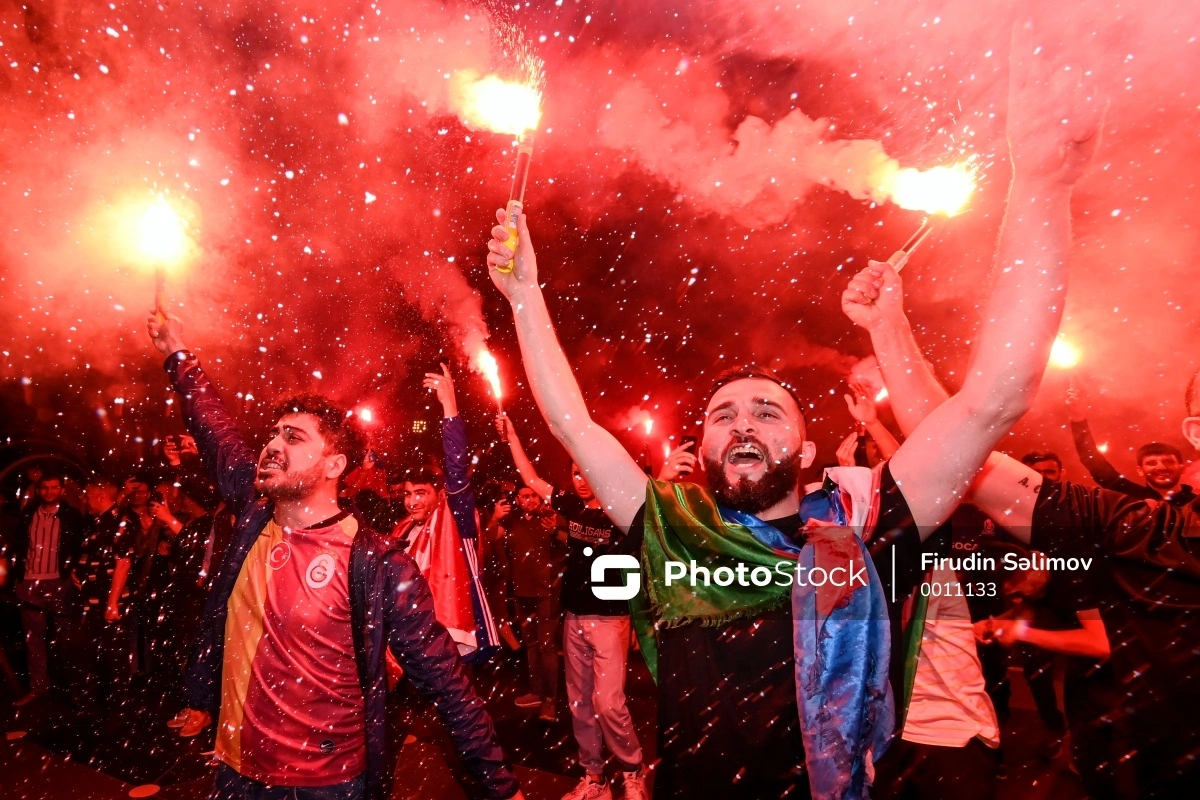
(161, 234)
(493, 104)
(485, 362)
(1063, 354)
(938, 190)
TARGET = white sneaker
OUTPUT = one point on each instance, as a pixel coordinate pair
(590, 789)
(635, 786)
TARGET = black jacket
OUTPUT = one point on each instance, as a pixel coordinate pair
(71, 525)
(391, 607)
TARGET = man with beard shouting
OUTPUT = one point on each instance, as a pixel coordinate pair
(751, 697)
(292, 640)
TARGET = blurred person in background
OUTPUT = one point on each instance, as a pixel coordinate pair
(44, 547)
(101, 573)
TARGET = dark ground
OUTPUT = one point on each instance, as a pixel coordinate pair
(44, 758)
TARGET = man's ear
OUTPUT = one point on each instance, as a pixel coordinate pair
(808, 452)
(1191, 431)
(335, 465)
(1141, 474)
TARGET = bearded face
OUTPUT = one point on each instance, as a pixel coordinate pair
(771, 486)
(753, 447)
(1162, 471)
(294, 463)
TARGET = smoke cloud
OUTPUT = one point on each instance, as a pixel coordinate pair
(705, 182)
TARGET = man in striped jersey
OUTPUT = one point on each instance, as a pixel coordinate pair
(48, 541)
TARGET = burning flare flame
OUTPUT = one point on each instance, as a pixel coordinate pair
(485, 362)
(1063, 354)
(939, 190)
(493, 104)
(160, 234)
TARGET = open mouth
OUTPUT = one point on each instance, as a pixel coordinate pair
(266, 467)
(745, 455)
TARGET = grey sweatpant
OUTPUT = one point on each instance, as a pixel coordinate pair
(596, 650)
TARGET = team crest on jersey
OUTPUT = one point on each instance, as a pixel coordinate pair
(280, 555)
(320, 571)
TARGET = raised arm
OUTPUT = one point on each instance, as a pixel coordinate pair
(1099, 467)
(1005, 489)
(456, 454)
(1052, 128)
(611, 472)
(529, 475)
(862, 407)
(230, 462)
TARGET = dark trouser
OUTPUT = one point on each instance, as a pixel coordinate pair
(1039, 672)
(103, 661)
(1097, 745)
(540, 620)
(45, 605)
(910, 771)
(993, 658)
(231, 786)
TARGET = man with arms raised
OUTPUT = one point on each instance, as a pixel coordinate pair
(734, 720)
(292, 641)
(441, 531)
(1138, 593)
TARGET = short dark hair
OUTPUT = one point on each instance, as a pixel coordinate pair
(1037, 456)
(100, 481)
(1158, 449)
(52, 476)
(743, 372)
(423, 474)
(1191, 397)
(338, 426)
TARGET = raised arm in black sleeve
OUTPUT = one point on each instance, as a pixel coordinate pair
(1101, 470)
(229, 461)
(1152, 547)
(430, 659)
(896, 545)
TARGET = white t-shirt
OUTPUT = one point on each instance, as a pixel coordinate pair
(949, 706)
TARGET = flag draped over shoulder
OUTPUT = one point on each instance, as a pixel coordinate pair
(841, 634)
(438, 551)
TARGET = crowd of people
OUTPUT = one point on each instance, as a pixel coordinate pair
(108, 575)
(281, 593)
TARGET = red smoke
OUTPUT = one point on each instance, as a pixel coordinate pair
(677, 196)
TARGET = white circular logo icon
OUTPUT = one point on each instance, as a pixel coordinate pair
(320, 571)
